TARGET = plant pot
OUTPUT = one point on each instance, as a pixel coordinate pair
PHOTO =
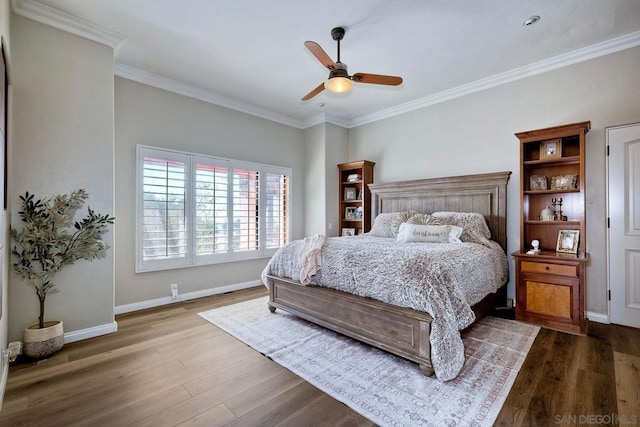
(40, 343)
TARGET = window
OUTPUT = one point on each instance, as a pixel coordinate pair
(195, 210)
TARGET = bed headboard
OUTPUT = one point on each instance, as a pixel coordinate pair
(484, 193)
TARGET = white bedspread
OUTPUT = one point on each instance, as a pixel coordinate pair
(442, 279)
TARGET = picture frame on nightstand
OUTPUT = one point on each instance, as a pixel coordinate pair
(568, 241)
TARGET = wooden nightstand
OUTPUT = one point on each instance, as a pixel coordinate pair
(550, 290)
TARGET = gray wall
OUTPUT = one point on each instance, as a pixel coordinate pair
(474, 134)
(315, 188)
(325, 148)
(62, 140)
(151, 116)
(336, 149)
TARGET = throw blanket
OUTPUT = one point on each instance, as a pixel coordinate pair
(310, 257)
(442, 279)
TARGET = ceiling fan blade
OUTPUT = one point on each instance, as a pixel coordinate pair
(377, 79)
(322, 56)
(314, 92)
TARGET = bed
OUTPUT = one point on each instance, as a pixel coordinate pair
(406, 332)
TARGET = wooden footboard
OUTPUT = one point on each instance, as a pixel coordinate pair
(398, 330)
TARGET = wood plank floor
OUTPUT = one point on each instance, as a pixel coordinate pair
(169, 367)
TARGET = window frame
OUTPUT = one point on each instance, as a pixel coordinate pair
(192, 259)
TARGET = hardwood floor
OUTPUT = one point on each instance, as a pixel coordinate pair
(168, 367)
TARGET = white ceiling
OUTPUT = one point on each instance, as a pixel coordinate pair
(250, 55)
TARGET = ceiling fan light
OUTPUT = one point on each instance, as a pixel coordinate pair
(338, 84)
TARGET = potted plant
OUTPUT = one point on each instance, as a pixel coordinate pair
(49, 240)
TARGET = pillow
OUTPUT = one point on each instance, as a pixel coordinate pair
(400, 218)
(429, 233)
(383, 225)
(387, 224)
(423, 219)
(475, 228)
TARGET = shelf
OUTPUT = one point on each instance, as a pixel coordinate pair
(554, 256)
(572, 160)
(533, 192)
(358, 193)
(540, 222)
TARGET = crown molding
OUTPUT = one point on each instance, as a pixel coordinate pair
(63, 21)
(325, 118)
(607, 47)
(165, 83)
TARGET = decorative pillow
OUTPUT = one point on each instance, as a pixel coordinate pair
(383, 225)
(475, 228)
(429, 233)
(400, 218)
(387, 224)
(423, 219)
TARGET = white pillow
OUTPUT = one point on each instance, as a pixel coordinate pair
(428, 233)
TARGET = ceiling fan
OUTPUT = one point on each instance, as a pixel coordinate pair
(339, 80)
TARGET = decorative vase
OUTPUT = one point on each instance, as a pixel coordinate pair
(40, 343)
(547, 214)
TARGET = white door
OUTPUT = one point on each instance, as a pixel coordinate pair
(623, 168)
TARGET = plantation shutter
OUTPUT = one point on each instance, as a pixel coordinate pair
(163, 222)
(195, 209)
(245, 210)
(276, 209)
(211, 224)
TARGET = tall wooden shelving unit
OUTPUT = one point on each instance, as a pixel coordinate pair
(550, 285)
(354, 196)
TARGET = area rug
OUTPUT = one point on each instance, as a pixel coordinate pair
(388, 390)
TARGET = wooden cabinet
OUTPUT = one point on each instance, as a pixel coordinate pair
(355, 197)
(550, 284)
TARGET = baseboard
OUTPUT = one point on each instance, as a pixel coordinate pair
(92, 332)
(598, 317)
(128, 308)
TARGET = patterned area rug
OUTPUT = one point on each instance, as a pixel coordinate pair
(388, 390)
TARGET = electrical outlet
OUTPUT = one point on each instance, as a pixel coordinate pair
(509, 302)
(174, 291)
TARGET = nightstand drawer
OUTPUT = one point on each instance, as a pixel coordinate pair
(543, 267)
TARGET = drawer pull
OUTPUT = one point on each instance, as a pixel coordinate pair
(546, 267)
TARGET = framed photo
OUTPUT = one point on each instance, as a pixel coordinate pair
(350, 193)
(568, 241)
(551, 149)
(537, 182)
(358, 213)
(350, 212)
(348, 231)
(564, 182)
